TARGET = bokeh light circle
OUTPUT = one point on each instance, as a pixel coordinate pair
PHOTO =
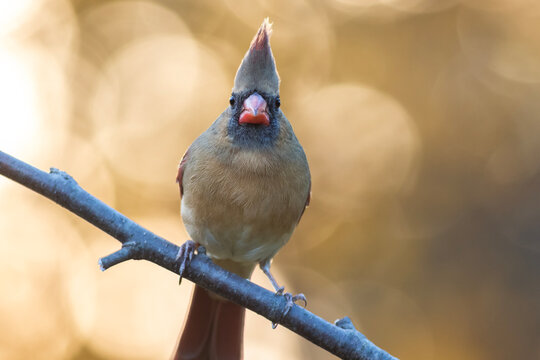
(363, 142)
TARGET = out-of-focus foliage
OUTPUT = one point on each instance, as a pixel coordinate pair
(421, 121)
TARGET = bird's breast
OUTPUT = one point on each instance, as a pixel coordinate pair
(243, 209)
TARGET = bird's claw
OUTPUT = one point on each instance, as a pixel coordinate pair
(300, 297)
(291, 300)
(184, 256)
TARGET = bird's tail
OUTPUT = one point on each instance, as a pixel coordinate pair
(214, 329)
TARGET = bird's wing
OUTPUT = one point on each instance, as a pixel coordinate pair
(181, 168)
(308, 199)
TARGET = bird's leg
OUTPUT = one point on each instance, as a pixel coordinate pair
(291, 299)
(265, 267)
(185, 255)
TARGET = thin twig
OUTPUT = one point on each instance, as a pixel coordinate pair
(341, 339)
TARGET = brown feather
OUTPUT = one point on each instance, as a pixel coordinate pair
(243, 205)
(308, 200)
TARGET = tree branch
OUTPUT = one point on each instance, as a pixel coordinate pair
(341, 338)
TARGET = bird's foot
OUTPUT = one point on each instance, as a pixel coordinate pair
(184, 256)
(291, 300)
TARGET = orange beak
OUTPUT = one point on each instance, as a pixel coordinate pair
(254, 111)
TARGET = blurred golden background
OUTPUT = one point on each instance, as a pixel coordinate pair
(421, 123)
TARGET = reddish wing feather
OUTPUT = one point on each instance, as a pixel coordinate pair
(181, 168)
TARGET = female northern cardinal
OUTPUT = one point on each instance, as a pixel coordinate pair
(244, 183)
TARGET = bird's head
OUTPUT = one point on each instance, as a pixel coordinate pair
(255, 101)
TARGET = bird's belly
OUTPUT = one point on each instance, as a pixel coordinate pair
(233, 233)
(243, 220)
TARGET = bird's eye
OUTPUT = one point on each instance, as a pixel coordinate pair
(232, 101)
(278, 102)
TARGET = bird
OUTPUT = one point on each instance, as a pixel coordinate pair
(244, 184)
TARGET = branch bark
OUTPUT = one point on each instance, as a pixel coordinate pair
(341, 338)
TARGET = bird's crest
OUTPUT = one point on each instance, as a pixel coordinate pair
(258, 68)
